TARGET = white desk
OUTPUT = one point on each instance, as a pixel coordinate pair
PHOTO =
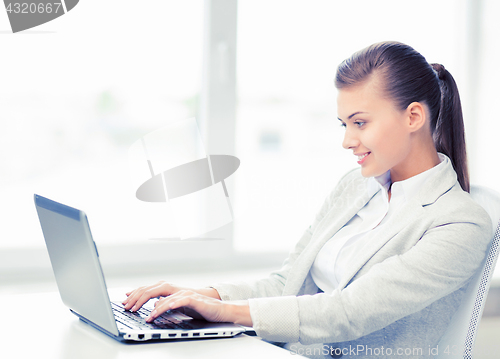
(61, 335)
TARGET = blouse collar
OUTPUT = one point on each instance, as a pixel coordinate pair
(406, 188)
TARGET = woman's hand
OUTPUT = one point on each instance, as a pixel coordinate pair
(211, 309)
(137, 297)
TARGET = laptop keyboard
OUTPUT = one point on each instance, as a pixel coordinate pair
(136, 320)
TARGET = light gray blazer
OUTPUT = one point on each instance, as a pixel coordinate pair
(402, 290)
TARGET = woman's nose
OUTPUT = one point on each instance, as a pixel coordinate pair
(350, 140)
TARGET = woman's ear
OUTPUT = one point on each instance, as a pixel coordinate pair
(417, 116)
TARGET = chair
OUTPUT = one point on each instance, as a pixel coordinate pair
(458, 340)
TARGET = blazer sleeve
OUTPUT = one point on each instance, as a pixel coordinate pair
(440, 263)
(273, 285)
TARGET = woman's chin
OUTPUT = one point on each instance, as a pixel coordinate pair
(370, 172)
(366, 172)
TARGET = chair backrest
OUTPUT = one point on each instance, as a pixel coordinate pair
(458, 340)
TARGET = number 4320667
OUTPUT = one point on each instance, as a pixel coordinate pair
(33, 8)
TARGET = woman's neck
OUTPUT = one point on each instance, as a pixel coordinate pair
(422, 157)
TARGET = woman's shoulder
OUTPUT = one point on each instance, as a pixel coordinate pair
(456, 205)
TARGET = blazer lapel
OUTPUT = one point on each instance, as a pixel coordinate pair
(335, 219)
(435, 187)
(410, 212)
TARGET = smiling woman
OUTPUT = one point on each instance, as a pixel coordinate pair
(414, 112)
(286, 95)
(382, 136)
(387, 260)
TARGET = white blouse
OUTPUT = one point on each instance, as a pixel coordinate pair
(333, 259)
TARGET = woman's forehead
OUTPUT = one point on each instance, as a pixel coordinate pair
(364, 97)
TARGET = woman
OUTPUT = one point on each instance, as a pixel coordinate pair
(389, 256)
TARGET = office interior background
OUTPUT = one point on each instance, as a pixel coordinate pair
(258, 77)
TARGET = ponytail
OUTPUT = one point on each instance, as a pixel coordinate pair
(449, 133)
(408, 77)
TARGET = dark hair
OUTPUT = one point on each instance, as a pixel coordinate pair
(407, 77)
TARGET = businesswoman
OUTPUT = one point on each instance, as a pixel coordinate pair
(389, 256)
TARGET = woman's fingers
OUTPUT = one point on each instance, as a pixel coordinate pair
(165, 304)
(209, 308)
(141, 295)
(132, 296)
(147, 294)
(137, 297)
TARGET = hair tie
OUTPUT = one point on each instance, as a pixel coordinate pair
(440, 70)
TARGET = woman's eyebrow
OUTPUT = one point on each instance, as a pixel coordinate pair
(351, 116)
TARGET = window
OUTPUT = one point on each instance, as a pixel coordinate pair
(74, 100)
(485, 77)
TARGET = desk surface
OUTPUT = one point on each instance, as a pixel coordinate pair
(61, 335)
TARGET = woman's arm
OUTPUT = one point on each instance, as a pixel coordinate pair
(439, 264)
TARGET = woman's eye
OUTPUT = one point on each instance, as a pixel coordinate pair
(342, 124)
(359, 123)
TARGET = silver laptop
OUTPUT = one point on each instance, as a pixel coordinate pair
(81, 284)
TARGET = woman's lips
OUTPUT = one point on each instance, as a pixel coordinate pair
(362, 157)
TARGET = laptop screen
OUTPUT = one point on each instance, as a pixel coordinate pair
(75, 262)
